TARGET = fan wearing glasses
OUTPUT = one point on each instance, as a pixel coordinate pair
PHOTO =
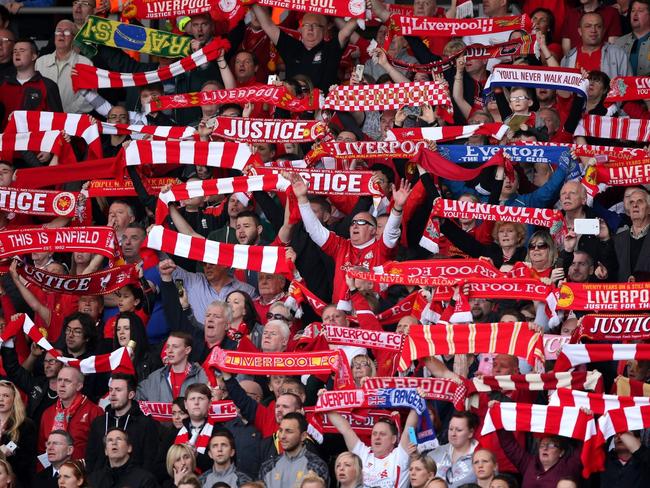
(361, 249)
(7, 40)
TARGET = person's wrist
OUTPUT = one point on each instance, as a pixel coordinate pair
(397, 210)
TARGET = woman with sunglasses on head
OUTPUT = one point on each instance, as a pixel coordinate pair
(18, 434)
(72, 474)
(362, 367)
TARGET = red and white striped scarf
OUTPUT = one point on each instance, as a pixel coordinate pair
(624, 420)
(628, 387)
(87, 76)
(579, 380)
(48, 141)
(616, 128)
(514, 338)
(364, 98)
(157, 131)
(230, 155)
(598, 403)
(573, 355)
(447, 133)
(220, 186)
(267, 259)
(543, 419)
(200, 442)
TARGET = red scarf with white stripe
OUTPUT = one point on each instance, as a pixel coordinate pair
(513, 338)
(624, 420)
(48, 141)
(613, 328)
(573, 355)
(543, 419)
(598, 403)
(231, 155)
(616, 128)
(579, 380)
(157, 131)
(604, 296)
(268, 130)
(628, 88)
(87, 76)
(199, 442)
(447, 133)
(267, 259)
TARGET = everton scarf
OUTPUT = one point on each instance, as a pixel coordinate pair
(268, 130)
(220, 186)
(436, 164)
(604, 296)
(87, 76)
(617, 128)
(230, 155)
(330, 182)
(121, 35)
(267, 259)
(391, 96)
(518, 154)
(335, 8)
(114, 188)
(613, 328)
(628, 88)
(598, 403)
(378, 398)
(371, 339)
(40, 202)
(513, 338)
(441, 389)
(96, 240)
(568, 79)
(456, 209)
(277, 96)
(563, 421)
(220, 411)
(577, 380)
(99, 283)
(623, 420)
(573, 355)
(448, 133)
(199, 441)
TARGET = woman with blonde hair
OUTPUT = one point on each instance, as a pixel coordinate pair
(180, 463)
(17, 428)
(422, 471)
(362, 367)
(6, 474)
(542, 254)
(348, 470)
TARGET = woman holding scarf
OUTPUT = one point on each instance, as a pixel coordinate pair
(129, 327)
(542, 254)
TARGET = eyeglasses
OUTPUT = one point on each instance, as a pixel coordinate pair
(51, 361)
(548, 445)
(82, 3)
(6, 40)
(361, 364)
(362, 222)
(76, 332)
(66, 32)
(538, 246)
(118, 116)
(276, 316)
(520, 98)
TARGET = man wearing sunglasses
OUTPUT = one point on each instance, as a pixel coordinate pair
(361, 249)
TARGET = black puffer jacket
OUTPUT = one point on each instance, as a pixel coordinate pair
(127, 475)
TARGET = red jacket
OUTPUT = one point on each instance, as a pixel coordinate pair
(78, 426)
(38, 93)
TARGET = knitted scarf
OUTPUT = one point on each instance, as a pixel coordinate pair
(447, 133)
(40, 202)
(220, 411)
(567, 79)
(63, 414)
(628, 387)
(199, 442)
(616, 128)
(513, 338)
(371, 339)
(48, 141)
(628, 88)
(598, 403)
(379, 398)
(573, 355)
(578, 380)
(87, 76)
(525, 153)
(625, 419)
(441, 389)
(604, 296)
(267, 259)
(268, 130)
(330, 182)
(613, 328)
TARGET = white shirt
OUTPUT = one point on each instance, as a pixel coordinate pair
(59, 73)
(388, 472)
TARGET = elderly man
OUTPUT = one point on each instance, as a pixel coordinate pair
(637, 43)
(58, 65)
(59, 447)
(311, 56)
(7, 40)
(595, 54)
(633, 246)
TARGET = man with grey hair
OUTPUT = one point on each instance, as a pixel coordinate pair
(275, 336)
(59, 447)
(633, 246)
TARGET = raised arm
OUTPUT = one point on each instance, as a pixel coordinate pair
(411, 421)
(226, 73)
(29, 297)
(346, 32)
(343, 426)
(267, 24)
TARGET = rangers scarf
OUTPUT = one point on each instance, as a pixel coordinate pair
(518, 154)
(616, 128)
(277, 96)
(624, 420)
(573, 355)
(372, 339)
(456, 209)
(39, 202)
(219, 411)
(391, 96)
(268, 130)
(598, 403)
(604, 296)
(200, 441)
(563, 421)
(220, 186)
(87, 76)
(99, 283)
(330, 182)
(335, 8)
(267, 259)
(230, 155)
(628, 88)
(114, 188)
(613, 328)
(441, 389)
(366, 398)
(568, 79)
(578, 380)
(97, 240)
(513, 338)
(447, 133)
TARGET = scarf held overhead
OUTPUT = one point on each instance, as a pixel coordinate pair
(220, 411)
(39, 202)
(366, 150)
(330, 182)
(604, 296)
(335, 8)
(578, 380)
(87, 76)
(362, 399)
(268, 130)
(573, 355)
(613, 328)
(447, 133)
(617, 128)
(518, 154)
(98, 240)
(568, 79)
(628, 88)
(371, 339)
(598, 403)
(277, 363)
(441, 389)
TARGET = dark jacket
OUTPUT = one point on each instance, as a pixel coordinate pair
(142, 431)
(38, 93)
(247, 441)
(635, 472)
(23, 460)
(622, 245)
(45, 479)
(37, 388)
(127, 475)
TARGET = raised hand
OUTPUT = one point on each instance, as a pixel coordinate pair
(400, 196)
